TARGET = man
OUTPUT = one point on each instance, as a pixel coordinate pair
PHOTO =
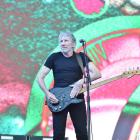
(67, 71)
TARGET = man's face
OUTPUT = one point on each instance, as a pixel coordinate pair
(66, 44)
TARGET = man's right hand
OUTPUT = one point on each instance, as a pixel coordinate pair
(51, 97)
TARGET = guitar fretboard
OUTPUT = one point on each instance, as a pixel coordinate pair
(102, 83)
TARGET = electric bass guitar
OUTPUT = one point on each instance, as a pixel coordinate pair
(63, 94)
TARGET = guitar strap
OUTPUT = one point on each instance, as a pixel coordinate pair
(80, 62)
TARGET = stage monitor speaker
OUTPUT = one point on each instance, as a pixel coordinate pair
(42, 138)
(12, 137)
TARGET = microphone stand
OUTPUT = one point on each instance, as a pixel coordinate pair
(88, 83)
(27, 137)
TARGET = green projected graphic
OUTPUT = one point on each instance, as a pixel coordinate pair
(28, 35)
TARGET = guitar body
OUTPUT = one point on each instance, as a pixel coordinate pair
(63, 95)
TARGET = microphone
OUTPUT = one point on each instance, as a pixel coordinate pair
(82, 41)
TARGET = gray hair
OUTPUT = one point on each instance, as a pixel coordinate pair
(69, 34)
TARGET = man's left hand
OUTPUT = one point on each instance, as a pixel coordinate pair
(76, 89)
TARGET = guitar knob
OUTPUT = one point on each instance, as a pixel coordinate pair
(60, 107)
(55, 109)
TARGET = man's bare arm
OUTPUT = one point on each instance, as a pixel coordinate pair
(41, 81)
(93, 71)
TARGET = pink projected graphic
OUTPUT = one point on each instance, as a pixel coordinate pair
(90, 6)
(109, 100)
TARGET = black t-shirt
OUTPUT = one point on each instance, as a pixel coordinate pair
(66, 70)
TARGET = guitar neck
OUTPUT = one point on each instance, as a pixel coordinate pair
(102, 83)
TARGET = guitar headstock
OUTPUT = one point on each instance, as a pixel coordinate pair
(132, 72)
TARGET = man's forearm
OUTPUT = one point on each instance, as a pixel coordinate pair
(43, 86)
(95, 76)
